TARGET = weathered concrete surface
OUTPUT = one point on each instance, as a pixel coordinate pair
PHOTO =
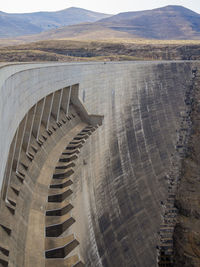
(121, 197)
(120, 179)
(187, 233)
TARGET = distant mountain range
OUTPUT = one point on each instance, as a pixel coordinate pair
(12, 25)
(170, 22)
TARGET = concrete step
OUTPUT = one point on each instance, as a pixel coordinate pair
(69, 158)
(30, 156)
(73, 115)
(10, 206)
(56, 225)
(53, 220)
(6, 218)
(61, 183)
(71, 151)
(63, 121)
(3, 259)
(92, 128)
(84, 134)
(40, 142)
(4, 254)
(15, 187)
(4, 249)
(74, 142)
(58, 195)
(88, 131)
(20, 176)
(60, 174)
(81, 136)
(12, 201)
(60, 247)
(54, 242)
(69, 118)
(74, 146)
(58, 208)
(49, 132)
(64, 166)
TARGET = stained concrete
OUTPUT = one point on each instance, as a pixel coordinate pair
(120, 178)
(121, 197)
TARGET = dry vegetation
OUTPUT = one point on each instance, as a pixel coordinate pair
(112, 49)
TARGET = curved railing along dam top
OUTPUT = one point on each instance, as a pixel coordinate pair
(120, 183)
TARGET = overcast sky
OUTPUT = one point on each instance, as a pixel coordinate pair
(105, 6)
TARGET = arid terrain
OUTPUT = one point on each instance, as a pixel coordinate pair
(168, 33)
(71, 50)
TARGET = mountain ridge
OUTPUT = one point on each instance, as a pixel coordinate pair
(169, 22)
(16, 24)
(165, 23)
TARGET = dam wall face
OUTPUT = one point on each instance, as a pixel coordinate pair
(121, 178)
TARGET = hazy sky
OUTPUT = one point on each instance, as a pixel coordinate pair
(106, 6)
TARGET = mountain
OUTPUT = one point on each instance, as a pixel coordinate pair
(12, 25)
(170, 22)
(166, 23)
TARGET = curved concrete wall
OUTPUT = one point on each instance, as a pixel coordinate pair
(125, 165)
(21, 87)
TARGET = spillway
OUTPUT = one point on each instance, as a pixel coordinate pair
(91, 158)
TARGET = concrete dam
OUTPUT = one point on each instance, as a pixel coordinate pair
(99, 164)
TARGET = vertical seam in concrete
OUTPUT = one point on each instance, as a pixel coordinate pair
(51, 105)
(59, 105)
(70, 90)
(29, 139)
(38, 131)
(22, 139)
